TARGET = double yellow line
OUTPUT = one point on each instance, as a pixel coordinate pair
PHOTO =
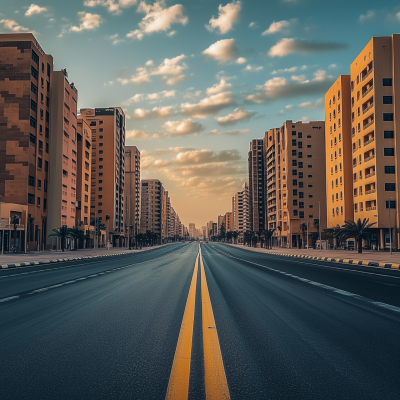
(214, 373)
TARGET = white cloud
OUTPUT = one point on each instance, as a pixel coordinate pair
(155, 113)
(289, 107)
(223, 50)
(113, 6)
(13, 25)
(398, 16)
(288, 46)
(278, 26)
(205, 156)
(109, 83)
(333, 66)
(220, 87)
(234, 117)
(227, 16)
(253, 25)
(115, 39)
(34, 9)
(208, 105)
(89, 22)
(367, 17)
(279, 71)
(313, 105)
(158, 18)
(299, 78)
(136, 134)
(183, 128)
(240, 60)
(237, 132)
(253, 68)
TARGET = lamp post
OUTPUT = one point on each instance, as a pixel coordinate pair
(307, 234)
(2, 231)
(319, 224)
(390, 228)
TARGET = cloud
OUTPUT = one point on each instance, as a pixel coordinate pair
(209, 105)
(227, 16)
(279, 71)
(113, 6)
(240, 60)
(367, 17)
(223, 50)
(280, 88)
(238, 115)
(34, 9)
(115, 39)
(288, 46)
(299, 78)
(313, 105)
(155, 113)
(171, 69)
(13, 25)
(173, 150)
(333, 66)
(158, 18)
(136, 134)
(237, 132)
(398, 16)
(183, 128)
(253, 25)
(109, 83)
(220, 87)
(253, 68)
(205, 156)
(89, 22)
(279, 26)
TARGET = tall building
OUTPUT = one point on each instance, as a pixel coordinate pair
(338, 149)
(25, 107)
(375, 83)
(63, 155)
(257, 211)
(295, 171)
(192, 230)
(132, 188)
(246, 207)
(172, 224)
(237, 211)
(229, 221)
(221, 220)
(83, 174)
(165, 212)
(151, 206)
(108, 169)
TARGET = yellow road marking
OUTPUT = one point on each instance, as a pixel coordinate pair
(178, 386)
(214, 372)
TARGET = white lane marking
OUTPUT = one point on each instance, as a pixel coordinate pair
(8, 298)
(331, 288)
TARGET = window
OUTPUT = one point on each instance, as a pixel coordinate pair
(46, 166)
(389, 169)
(294, 182)
(310, 196)
(294, 192)
(310, 155)
(47, 116)
(32, 139)
(34, 73)
(293, 133)
(38, 201)
(44, 204)
(35, 57)
(300, 154)
(390, 187)
(310, 206)
(300, 145)
(47, 148)
(300, 164)
(300, 135)
(301, 214)
(92, 123)
(33, 88)
(294, 142)
(48, 86)
(388, 134)
(387, 99)
(46, 133)
(295, 202)
(301, 195)
(309, 166)
(100, 189)
(309, 146)
(301, 204)
(31, 198)
(387, 82)
(295, 213)
(31, 181)
(33, 106)
(41, 114)
(33, 122)
(301, 184)
(309, 176)
(45, 186)
(48, 69)
(294, 163)
(310, 186)
(388, 116)
(294, 152)
(388, 151)
(390, 203)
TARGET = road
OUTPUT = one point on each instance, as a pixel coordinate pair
(173, 323)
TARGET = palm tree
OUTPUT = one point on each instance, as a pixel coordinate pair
(63, 233)
(338, 235)
(78, 235)
(14, 220)
(229, 236)
(303, 228)
(235, 234)
(268, 233)
(358, 231)
(259, 235)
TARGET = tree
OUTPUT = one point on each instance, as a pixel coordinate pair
(14, 220)
(303, 228)
(78, 235)
(338, 235)
(235, 234)
(63, 233)
(280, 238)
(268, 233)
(229, 236)
(222, 231)
(358, 231)
(314, 236)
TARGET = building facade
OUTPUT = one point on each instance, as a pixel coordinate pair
(151, 206)
(229, 221)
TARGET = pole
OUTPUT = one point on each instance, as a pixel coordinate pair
(390, 229)
(319, 224)
(307, 234)
(95, 229)
(2, 231)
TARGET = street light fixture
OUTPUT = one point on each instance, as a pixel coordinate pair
(390, 228)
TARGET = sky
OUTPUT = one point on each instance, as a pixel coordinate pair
(198, 80)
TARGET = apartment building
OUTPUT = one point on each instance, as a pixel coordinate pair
(166, 210)
(295, 179)
(246, 207)
(83, 174)
(151, 206)
(257, 209)
(63, 155)
(25, 106)
(192, 230)
(108, 169)
(132, 188)
(229, 221)
(375, 82)
(338, 149)
(220, 221)
(237, 211)
(172, 223)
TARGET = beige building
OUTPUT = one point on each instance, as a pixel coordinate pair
(151, 206)
(132, 189)
(63, 155)
(338, 148)
(192, 230)
(229, 221)
(295, 179)
(166, 210)
(108, 169)
(25, 106)
(375, 81)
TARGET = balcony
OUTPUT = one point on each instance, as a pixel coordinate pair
(370, 208)
(369, 158)
(367, 74)
(370, 191)
(369, 124)
(368, 108)
(369, 141)
(370, 175)
(368, 91)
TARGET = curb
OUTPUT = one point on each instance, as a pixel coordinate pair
(56, 260)
(343, 261)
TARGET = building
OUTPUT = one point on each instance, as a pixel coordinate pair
(63, 156)
(246, 207)
(221, 221)
(237, 211)
(229, 221)
(295, 172)
(132, 189)
(25, 106)
(338, 149)
(257, 209)
(192, 230)
(151, 206)
(108, 169)
(166, 210)
(375, 83)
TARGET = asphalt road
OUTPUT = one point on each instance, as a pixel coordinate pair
(287, 329)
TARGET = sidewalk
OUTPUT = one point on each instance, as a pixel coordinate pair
(371, 258)
(45, 257)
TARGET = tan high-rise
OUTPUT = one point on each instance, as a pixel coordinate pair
(25, 105)
(151, 206)
(339, 175)
(229, 221)
(375, 83)
(295, 179)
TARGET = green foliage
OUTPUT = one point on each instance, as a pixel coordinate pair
(63, 232)
(359, 231)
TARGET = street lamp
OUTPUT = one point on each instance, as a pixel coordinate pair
(319, 224)
(390, 228)
(2, 232)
